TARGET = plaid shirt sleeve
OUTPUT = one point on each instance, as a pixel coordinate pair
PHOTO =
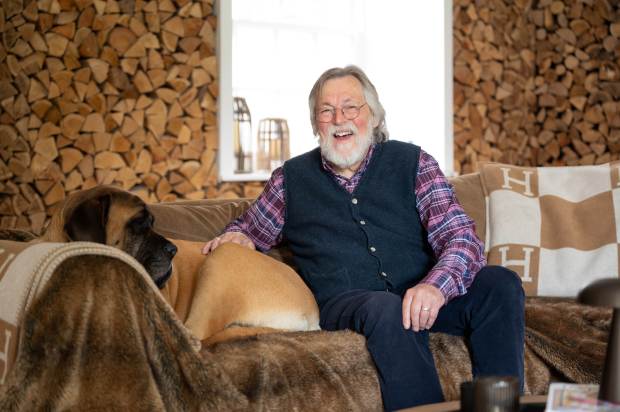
(451, 233)
(264, 220)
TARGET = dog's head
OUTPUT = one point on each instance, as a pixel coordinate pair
(120, 219)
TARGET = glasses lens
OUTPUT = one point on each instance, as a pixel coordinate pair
(351, 112)
(325, 115)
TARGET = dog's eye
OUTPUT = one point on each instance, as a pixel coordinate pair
(143, 221)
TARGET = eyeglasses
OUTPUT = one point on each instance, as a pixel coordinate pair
(349, 112)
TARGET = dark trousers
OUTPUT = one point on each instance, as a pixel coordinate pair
(490, 316)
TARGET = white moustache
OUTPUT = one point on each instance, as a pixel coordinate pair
(342, 129)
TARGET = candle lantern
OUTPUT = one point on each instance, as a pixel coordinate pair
(242, 135)
(273, 143)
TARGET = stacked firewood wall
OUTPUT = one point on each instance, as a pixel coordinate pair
(124, 92)
(537, 82)
(106, 92)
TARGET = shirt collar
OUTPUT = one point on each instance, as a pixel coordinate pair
(329, 168)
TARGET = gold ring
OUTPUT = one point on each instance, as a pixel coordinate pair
(426, 309)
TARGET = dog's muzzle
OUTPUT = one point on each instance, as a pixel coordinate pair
(163, 279)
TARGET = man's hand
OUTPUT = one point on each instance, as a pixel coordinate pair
(235, 237)
(421, 304)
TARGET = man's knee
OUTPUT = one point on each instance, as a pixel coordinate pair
(381, 309)
(503, 284)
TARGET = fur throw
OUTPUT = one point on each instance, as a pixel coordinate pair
(100, 337)
(570, 338)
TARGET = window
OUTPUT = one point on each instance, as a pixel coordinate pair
(272, 51)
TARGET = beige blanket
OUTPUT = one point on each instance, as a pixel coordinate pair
(99, 336)
(556, 227)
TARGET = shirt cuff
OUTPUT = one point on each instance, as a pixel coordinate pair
(443, 281)
(234, 227)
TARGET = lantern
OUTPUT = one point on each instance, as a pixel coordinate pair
(273, 143)
(242, 135)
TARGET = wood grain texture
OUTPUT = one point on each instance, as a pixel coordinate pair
(116, 92)
(536, 82)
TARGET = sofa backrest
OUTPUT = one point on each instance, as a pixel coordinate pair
(512, 218)
(202, 220)
(196, 220)
(468, 189)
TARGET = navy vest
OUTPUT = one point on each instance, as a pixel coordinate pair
(371, 239)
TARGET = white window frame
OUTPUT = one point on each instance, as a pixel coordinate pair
(225, 113)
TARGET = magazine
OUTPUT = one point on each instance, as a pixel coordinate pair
(573, 397)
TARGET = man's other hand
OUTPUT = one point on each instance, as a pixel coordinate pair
(235, 237)
(421, 305)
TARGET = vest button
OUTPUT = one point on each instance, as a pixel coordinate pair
(354, 201)
(362, 222)
(372, 249)
(384, 274)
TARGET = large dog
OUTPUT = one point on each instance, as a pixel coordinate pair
(234, 291)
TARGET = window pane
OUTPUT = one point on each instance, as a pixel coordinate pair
(280, 47)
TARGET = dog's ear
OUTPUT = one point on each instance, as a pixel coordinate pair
(88, 221)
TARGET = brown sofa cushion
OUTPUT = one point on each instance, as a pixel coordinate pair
(196, 220)
(468, 189)
(202, 220)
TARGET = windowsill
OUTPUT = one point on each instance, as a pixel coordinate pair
(245, 177)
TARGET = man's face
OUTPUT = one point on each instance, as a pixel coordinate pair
(344, 142)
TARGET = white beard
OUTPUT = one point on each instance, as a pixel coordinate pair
(358, 147)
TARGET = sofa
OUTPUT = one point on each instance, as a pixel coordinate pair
(94, 332)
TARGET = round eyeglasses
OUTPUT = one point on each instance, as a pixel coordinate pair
(349, 112)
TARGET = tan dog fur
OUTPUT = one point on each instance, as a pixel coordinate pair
(237, 292)
(123, 208)
(232, 292)
(112, 216)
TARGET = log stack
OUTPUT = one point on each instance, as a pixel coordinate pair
(537, 82)
(124, 92)
(106, 92)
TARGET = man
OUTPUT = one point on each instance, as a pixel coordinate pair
(382, 242)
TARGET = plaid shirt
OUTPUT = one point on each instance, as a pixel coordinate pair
(451, 233)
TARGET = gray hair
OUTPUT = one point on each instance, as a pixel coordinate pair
(380, 133)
